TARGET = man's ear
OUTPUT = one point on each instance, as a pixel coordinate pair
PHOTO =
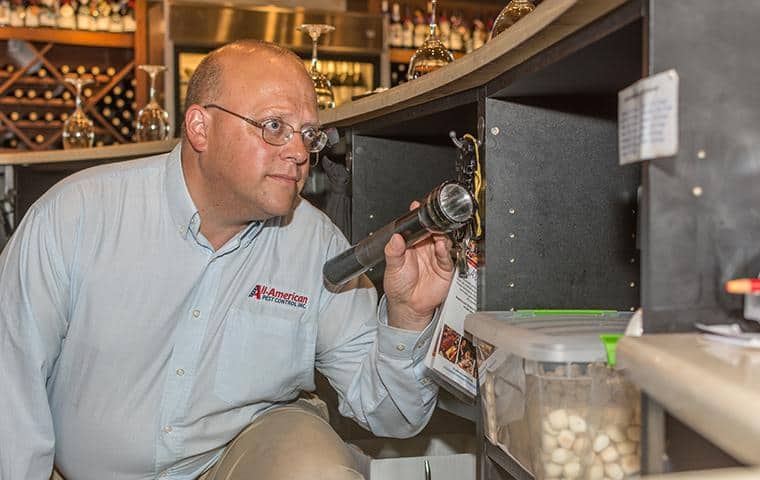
(196, 127)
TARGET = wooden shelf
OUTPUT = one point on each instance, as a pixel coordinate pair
(52, 125)
(53, 47)
(37, 102)
(29, 80)
(69, 37)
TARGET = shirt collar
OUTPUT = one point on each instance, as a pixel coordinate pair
(181, 206)
(183, 211)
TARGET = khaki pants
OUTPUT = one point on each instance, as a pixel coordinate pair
(293, 442)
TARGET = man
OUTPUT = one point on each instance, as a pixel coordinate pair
(152, 310)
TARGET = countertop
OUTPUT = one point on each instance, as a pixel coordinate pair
(712, 387)
(112, 152)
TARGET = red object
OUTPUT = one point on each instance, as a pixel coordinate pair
(743, 286)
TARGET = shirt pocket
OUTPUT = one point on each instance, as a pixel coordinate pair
(263, 356)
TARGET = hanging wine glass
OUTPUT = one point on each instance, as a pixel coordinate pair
(432, 55)
(514, 11)
(152, 121)
(78, 130)
(322, 85)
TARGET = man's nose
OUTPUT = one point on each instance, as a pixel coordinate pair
(295, 150)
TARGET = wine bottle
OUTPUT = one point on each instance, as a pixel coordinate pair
(444, 29)
(407, 32)
(126, 114)
(81, 69)
(64, 69)
(48, 94)
(395, 29)
(129, 94)
(13, 143)
(120, 103)
(125, 131)
(18, 93)
(359, 81)
(108, 99)
(116, 121)
(32, 116)
(14, 116)
(110, 71)
(87, 92)
(49, 117)
(42, 73)
(421, 28)
(31, 93)
(95, 70)
(9, 67)
(107, 112)
(39, 138)
(117, 90)
(64, 116)
(66, 95)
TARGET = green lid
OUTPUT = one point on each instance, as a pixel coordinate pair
(610, 341)
(549, 335)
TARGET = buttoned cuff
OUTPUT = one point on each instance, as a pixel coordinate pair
(400, 343)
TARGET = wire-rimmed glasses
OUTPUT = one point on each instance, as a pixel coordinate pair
(78, 130)
(277, 132)
(322, 85)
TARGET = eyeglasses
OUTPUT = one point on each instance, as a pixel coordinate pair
(276, 132)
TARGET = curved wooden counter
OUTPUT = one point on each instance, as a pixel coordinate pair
(552, 21)
(112, 152)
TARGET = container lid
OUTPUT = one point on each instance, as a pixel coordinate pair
(549, 335)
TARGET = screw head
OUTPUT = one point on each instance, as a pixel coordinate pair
(494, 130)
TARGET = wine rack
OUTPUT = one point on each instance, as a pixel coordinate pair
(35, 100)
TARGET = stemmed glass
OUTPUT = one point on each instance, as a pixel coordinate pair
(152, 120)
(432, 55)
(514, 11)
(325, 96)
(78, 130)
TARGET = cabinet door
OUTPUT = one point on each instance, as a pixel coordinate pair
(560, 214)
(387, 176)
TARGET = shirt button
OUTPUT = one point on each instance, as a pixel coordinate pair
(196, 313)
(180, 372)
(400, 347)
(168, 429)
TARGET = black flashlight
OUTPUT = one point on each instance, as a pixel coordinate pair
(446, 208)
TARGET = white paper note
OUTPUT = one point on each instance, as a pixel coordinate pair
(648, 118)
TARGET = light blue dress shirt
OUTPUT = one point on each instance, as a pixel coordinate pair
(130, 349)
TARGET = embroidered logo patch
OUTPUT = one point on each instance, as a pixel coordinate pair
(271, 294)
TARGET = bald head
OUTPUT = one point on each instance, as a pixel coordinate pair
(206, 83)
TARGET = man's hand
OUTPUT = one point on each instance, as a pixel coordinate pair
(416, 279)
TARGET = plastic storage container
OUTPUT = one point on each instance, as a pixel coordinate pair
(549, 398)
